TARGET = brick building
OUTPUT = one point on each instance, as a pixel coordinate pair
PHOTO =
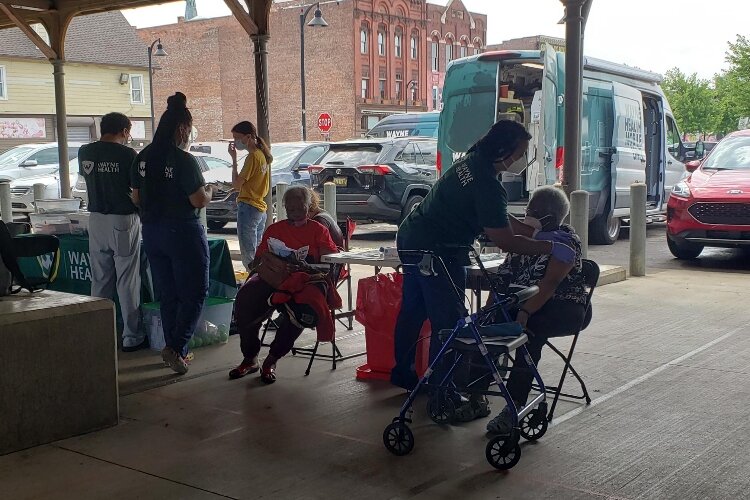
(358, 69)
(530, 43)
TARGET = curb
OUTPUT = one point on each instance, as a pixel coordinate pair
(611, 274)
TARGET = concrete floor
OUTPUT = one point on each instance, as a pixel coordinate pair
(665, 358)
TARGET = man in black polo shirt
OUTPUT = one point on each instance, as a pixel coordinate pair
(114, 226)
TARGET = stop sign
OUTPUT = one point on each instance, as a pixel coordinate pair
(325, 122)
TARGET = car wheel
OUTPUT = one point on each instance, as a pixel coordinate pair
(604, 229)
(215, 225)
(685, 250)
(411, 203)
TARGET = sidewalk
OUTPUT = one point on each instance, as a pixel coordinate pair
(665, 359)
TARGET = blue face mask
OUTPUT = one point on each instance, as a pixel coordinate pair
(240, 145)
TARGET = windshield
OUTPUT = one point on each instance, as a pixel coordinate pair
(284, 155)
(353, 155)
(12, 157)
(733, 153)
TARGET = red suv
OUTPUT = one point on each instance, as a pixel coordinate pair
(711, 207)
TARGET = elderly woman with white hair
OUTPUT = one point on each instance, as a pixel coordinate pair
(268, 271)
(560, 306)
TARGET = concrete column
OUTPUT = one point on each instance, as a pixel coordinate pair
(329, 199)
(579, 217)
(39, 189)
(573, 84)
(260, 44)
(638, 229)
(6, 207)
(280, 209)
(62, 126)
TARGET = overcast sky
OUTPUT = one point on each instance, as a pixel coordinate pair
(652, 34)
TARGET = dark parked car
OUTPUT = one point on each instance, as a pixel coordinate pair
(378, 179)
(290, 162)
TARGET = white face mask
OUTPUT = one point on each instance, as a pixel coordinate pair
(517, 166)
(537, 224)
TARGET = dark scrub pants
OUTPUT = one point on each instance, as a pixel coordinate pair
(425, 297)
(178, 254)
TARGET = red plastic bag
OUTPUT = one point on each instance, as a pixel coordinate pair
(378, 305)
(379, 300)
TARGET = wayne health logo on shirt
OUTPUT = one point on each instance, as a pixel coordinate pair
(142, 168)
(88, 166)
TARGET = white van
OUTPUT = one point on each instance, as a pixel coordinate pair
(628, 131)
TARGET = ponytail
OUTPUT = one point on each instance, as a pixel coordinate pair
(247, 128)
(261, 144)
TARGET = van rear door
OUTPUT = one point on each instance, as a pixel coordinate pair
(547, 141)
(629, 156)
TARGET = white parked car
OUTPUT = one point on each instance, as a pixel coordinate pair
(32, 160)
(22, 190)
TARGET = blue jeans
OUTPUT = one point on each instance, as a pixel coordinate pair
(178, 255)
(425, 297)
(251, 223)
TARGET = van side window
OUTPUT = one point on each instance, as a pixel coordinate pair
(673, 137)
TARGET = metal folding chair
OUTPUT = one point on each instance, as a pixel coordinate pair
(591, 278)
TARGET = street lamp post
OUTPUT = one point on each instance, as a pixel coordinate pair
(159, 53)
(316, 22)
(409, 86)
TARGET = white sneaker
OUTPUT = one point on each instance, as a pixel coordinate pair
(176, 362)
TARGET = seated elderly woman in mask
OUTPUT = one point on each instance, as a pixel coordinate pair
(560, 306)
(277, 277)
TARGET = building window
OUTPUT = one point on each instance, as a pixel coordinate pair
(414, 91)
(363, 41)
(464, 49)
(434, 98)
(477, 48)
(414, 51)
(397, 45)
(363, 122)
(448, 50)
(3, 84)
(399, 87)
(365, 88)
(381, 43)
(136, 89)
(382, 87)
(435, 56)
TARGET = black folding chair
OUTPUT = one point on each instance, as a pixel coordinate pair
(21, 245)
(39, 245)
(591, 278)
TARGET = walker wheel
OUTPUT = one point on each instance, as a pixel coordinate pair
(534, 425)
(441, 408)
(398, 438)
(502, 452)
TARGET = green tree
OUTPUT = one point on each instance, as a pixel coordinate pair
(733, 86)
(692, 100)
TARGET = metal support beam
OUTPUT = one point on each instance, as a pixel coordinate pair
(573, 86)
(260, 44)
(62, 126)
